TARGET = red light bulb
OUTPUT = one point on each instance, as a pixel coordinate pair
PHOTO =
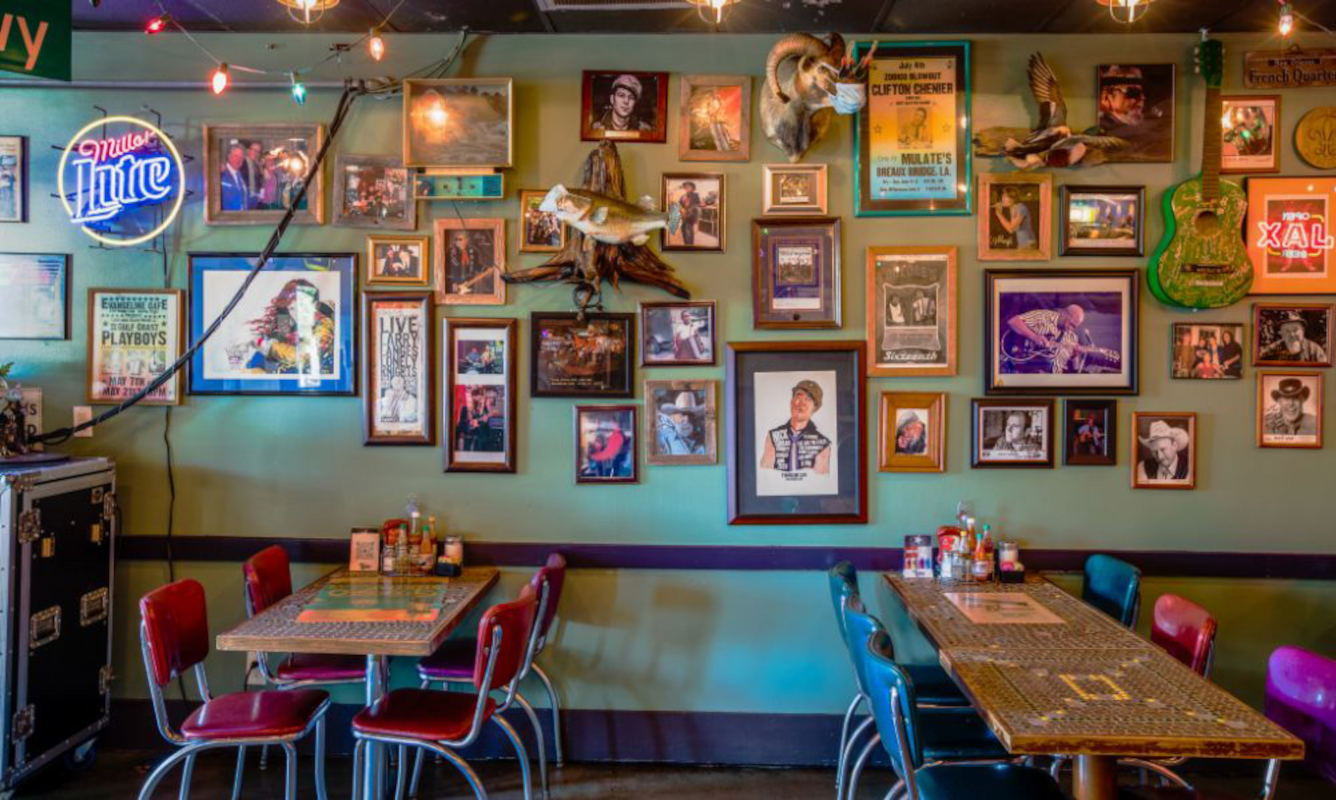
(157, 24)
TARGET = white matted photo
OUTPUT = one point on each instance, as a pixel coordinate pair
(1289, 409)
(1165, 445)
(795, 433)
(1013, 434)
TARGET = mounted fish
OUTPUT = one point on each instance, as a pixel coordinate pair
(799, 98)
(608, 235)
(1051, 143)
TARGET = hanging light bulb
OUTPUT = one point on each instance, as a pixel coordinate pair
(158, 24)
(1286, 23)
(298, 91)
(711, 12)
(375, 45)
(1126, 11)
(220, 79)
(307, 11)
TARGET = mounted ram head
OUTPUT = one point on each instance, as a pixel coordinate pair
(798, 98)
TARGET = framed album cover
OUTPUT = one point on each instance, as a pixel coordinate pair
(400, 400)
(1210, 351)
(605, 444)
(912, 139)
(480, 396)
(677, 333)
(1292, 334)
(1289, 409)
(373, 192)
(253, 174)
(1249, 126)
(796, 425)
(34, 296)
(574, 358)
(1011, 432)
(714, 118)
(794, 189)
(1092, 432)
(1015, 217)
(699, 198)
(1136, 104)
(1102, 220)
(912, 432)
(680, 422)
(13, 179)
(458, 122)
(796, 272)
(470, 260)
(1165, 448)
(624, 106)
(134, 335)
(911, 310)
(1290, 236)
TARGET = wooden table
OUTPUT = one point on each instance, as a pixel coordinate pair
(277, 629)
(1053, 676)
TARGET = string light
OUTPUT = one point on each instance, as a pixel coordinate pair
(375, 45)
(158, 24)
(1286, 24)
(714, 8)
(298, 90)
(220, 79)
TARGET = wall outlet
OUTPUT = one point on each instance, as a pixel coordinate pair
(81, 415)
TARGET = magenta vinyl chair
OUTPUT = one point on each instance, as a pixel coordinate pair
(1301, 697)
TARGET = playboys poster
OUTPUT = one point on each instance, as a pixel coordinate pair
(133, 337)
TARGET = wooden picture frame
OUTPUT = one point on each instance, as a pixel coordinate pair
(405, 220)
(485, 240)
(226, 186)
(1168, 424)
(455, 123)
(35, 283)
(14, 172)
(711, 222)
(130, 329)
(1289, 391)
(1031, 239)
(902, 415)
(1256, 147)
(598, 88)
(1080, 235)
(1285, 221)
(1005, 446)
(1209, 358)
(463, 375)
(556, 339)
(531, 240)
(661, 327)
(1269, 321)
(1087, 443)
(714, 118)
(914, 336)
(694, 399)
(796, 278)
(399, 344)
(805, 192)
(586, 462)
(377, 277)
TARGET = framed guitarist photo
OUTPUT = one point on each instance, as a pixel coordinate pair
(1061, 331)
(470, 259)
(1289, 235)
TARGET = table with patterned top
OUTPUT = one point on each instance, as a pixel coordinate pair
(1052, 675)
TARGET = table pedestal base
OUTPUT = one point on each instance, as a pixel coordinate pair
(1095, 777)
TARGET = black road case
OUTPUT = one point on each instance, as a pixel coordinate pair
(57, 546)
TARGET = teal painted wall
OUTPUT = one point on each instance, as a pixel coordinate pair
(706, 640)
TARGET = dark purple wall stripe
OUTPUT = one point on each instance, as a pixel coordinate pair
(1177, 563)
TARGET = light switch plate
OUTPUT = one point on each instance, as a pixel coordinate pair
(81, 415)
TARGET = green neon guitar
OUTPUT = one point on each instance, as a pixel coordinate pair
(1202, 261)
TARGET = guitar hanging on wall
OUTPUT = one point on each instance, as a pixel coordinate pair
(1202, 261)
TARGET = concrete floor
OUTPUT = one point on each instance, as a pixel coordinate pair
(119, 774)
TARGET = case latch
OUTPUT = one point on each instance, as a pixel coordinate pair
(43, 628)
(30, 525)
(22, 726)
(104, 677)
(93, 607)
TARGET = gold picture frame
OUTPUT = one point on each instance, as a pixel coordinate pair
(714, 118)
(1027, 238)
(374, 278)
(453, 122)
(228, 199)
(806, 192)
(893, 273)
(480, 234)
(925, 448)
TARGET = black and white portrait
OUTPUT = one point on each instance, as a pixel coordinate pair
(1292, 334)
(1165, 447)
(1013, 434)
(1290, 407)
(624, 106)
(795, 433)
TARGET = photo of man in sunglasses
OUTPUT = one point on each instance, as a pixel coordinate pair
(1136, 104)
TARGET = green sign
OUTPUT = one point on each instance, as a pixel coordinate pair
(35, 37)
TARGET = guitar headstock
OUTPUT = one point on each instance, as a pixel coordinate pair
(1210, 60)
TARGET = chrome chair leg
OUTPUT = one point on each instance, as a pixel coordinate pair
(321, 792)
(847, 753)
(155, 777)
(859, 764)
(520, 752)
(359, 752)
(264, 756)
(538, 738)
(290, 774)
(1143, 767)
(844, 736)
(241, 771)
(417, 773)
(1271, 778)
(555, 704)
(475, 783)
(187, 772)
(401, 774)
(896, 791)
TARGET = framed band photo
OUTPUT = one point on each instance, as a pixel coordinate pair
(1249, 126)
(1207, 350)
(398, 260)
(1165, 445)
(1292, 334)
(1289, 234)
(677, 333)
(470, 260)
(479, 402)
(373, 192)
(134, 335)
(400, 364)
(1015, 217)
(681, 422)
(1092, 432)
(794, 189)
(911, 310)
(1289, 409)
(714, 119)
(1061, 331)
(573, 358)
(796, 272)
(912, 432)
(1102, 220)
(605, 444)
(1011, 432)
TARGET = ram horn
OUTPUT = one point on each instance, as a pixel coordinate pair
(795, 44)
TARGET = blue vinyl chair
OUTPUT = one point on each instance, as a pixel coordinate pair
(1114, 587)
(904, 736)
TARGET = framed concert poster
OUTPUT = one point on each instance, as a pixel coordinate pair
(1249, 128)
(480, 398)
(677, 333)
(1164, 444)
(680, 422)
(912, 432)
(293, 333)
(1289, 409)
(1101, 220)
(13, 179)
(34, 295)
(400, 363)
(911, 310)
(1015, 217)
(1289, 235)
(134, 335)
(569, 357)
(605, 444)
(796, 421)
(1092, 432)
(796, 272)
(912, 139)
(1011, 432)
(398, 260)
(254, 173)
(714, 118)
(470, 260)
(373, 192)
(624, 106)
(1061, 331)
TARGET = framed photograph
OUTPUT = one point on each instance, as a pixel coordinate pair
(470, 259)
(373, 192)
(1011, 432)
(794, 189)
(1015, 216)
(293, 333)
(253, 174)
(134, 335)
(796, 426)
(1061, 331)
(400, 398)
(570, 358)
(1207, 350)
(34, 296)
(1102, 220)
(1292, 334)
(911, 310)
(714, 118)
(1165, 444)
(699, 197)
(458, 122)
(1136, 103)
(1289, 235)
(1248, 129)
(1289, 409)
(796, 272)
(677, 333)
(398, 260)
(913, 432)
(624, 106)
(13, 179)
(480, 395)
(364, 550)
(912, 139)
(540, 231)
(1092, 432)
(681, 422)
(605, 444)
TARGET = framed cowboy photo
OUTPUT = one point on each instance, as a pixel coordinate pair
(1011, 432)
(1289, 409)
(1165, 448)
(624, 106)
(912, 432)
(699, 201)
(681, 419)
(1292, 334)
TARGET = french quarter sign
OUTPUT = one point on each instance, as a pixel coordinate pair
(1289, 69)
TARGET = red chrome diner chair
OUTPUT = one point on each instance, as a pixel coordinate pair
(174, 636)
(445, 721)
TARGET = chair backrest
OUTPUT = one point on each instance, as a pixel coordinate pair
(843, 581)
(1114, 587)
(515, 620)
(175, 629)
(1301, 697)
(268, 578)
(1185, 630)
(553, 573)
(859, 626)
(898, 724)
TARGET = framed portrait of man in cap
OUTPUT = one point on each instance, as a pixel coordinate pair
(1136, 104)
(624, 106)
(1165, 449)
(1289, 409)
(680, 422)
(1289, 334)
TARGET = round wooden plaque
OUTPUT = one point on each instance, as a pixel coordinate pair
(1315, 137)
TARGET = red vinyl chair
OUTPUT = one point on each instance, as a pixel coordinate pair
(174, 636)
(443, 722)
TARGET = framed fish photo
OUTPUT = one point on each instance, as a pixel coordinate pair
(1015, 217)
(458, 122)
(400, 364)
(796, 272)
(911, 302)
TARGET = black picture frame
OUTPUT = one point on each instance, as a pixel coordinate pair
(1067, 193)
(619, 382)
(1077, 410)
(632, 432)
(1027, 404)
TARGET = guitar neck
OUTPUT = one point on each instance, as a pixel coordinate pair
(1210, 146)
